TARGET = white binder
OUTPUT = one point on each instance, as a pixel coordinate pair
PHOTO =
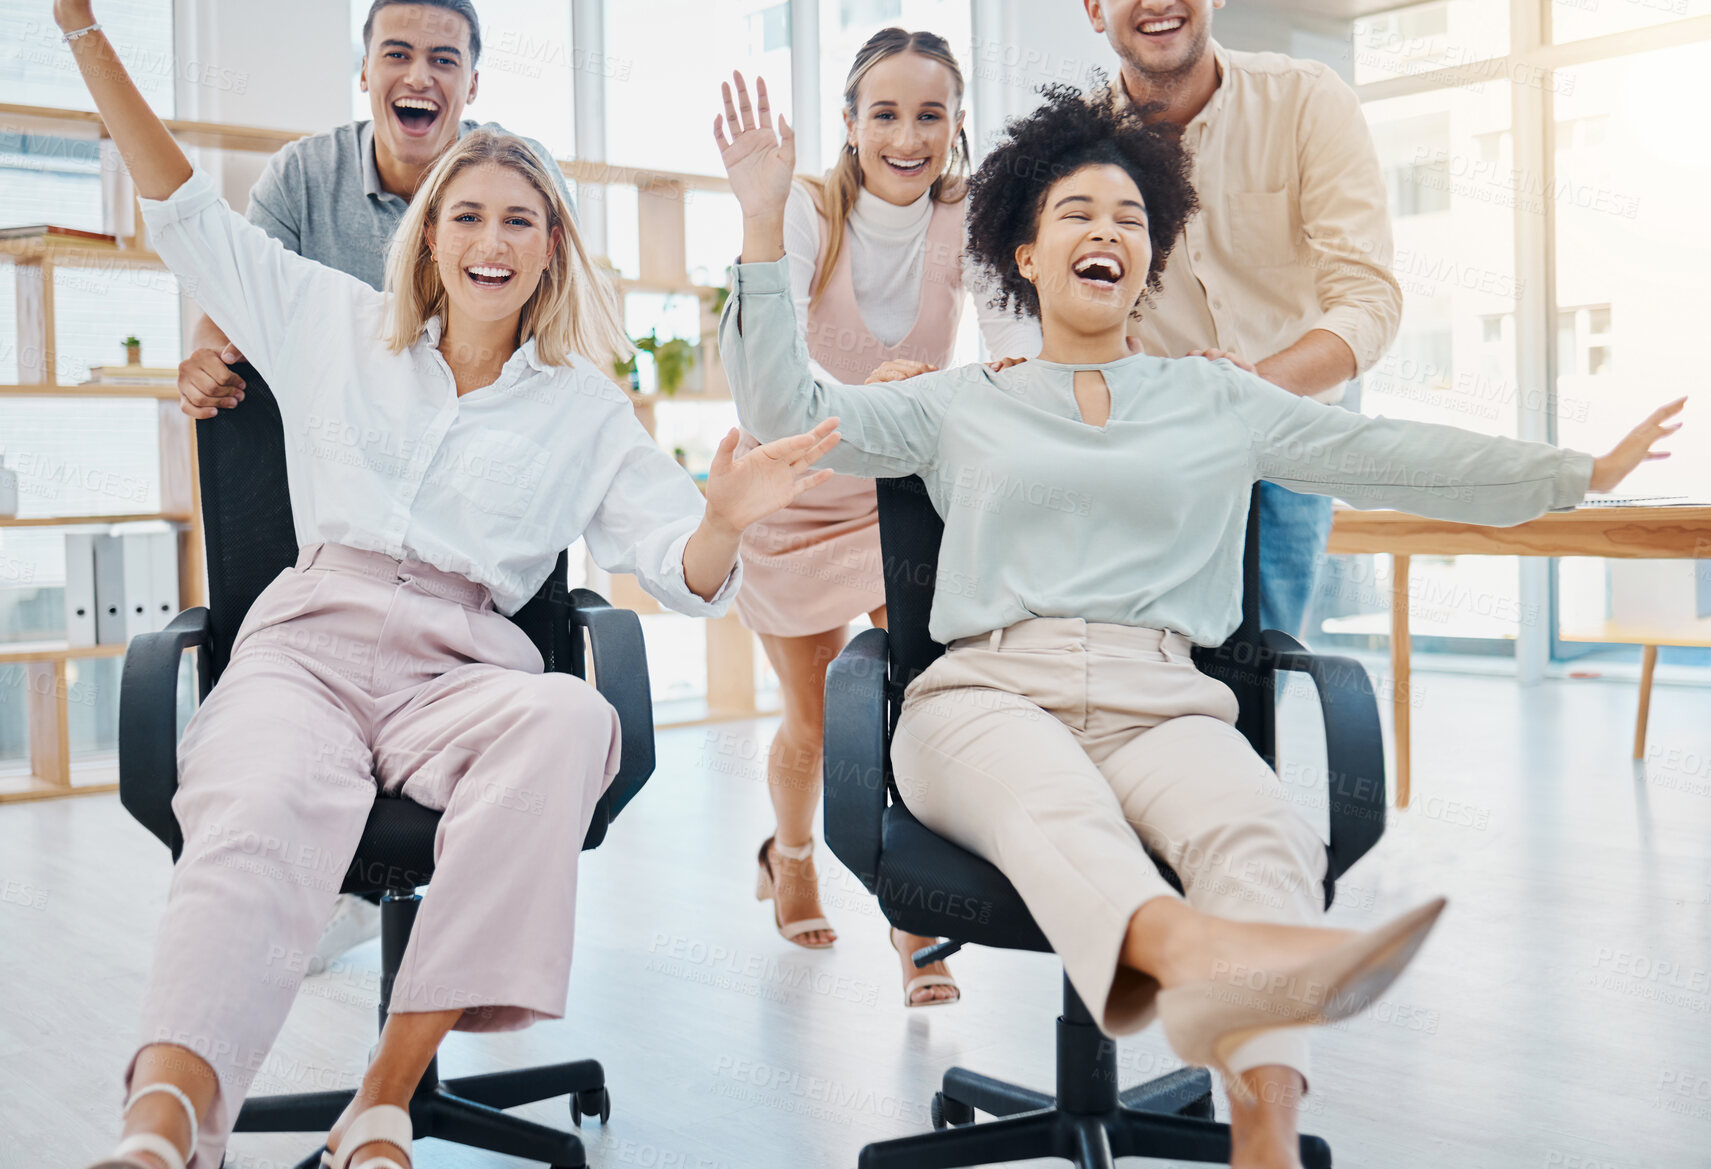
(80, 588)
(124, 571)
(163, 578)
(109, 589)
(139, 583)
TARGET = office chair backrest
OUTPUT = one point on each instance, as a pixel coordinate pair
(909, 533)
(250, 538)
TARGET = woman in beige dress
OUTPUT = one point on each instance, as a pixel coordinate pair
(875, 253)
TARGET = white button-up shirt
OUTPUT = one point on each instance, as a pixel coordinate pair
(381, 453)
(1293, 232)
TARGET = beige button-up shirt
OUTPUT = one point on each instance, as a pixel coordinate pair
(1293, 232)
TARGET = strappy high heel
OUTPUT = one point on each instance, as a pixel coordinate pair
(1205, 1021)
(384, 1123)
(766, 889)
(921, 981)
(124, 1153)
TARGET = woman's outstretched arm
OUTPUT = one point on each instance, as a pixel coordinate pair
(1428, 469)
(158, 167)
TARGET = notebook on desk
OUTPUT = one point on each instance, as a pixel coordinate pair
(1644, 501)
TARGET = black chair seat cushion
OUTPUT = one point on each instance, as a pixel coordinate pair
(396, 850)
(931, 887)
(934, 888)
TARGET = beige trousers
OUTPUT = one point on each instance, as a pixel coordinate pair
(1057, 748)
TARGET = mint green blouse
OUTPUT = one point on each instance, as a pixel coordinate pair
(1140, 521)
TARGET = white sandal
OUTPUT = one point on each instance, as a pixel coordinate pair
(386, 1123)
(766, 889)
(124, 1154)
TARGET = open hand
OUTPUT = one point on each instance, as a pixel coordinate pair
(759, 162)
(1225, 354)
(1004, 363)
(1636, 448)
(741, 491)
(897, 369)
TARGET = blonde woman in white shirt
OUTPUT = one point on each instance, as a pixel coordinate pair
(876, 277)
(445, 441)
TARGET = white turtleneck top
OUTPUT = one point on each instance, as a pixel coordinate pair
(887, 248)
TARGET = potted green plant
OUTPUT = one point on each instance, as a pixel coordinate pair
(133, 351)
(672, 361)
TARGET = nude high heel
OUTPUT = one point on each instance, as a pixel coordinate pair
(1205, 1021)
(766, 889)
(920, 981)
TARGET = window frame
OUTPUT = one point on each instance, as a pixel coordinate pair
(1531, 66)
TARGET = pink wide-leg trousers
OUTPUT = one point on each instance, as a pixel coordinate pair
(353, 674)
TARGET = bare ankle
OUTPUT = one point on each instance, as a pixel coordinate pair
(1263, 1116)
(1165, 939)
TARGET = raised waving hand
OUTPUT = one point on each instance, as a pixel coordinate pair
(760, 161)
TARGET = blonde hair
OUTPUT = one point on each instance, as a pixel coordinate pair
(573, 310)
(836, 193)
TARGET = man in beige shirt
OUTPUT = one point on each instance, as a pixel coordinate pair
(1288, 264)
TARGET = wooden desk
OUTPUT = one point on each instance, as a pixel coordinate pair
(1641, 533)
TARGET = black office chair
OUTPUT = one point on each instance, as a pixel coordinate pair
(250, 539)
(925, 883)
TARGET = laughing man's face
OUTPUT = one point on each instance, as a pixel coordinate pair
(418, 77)
(1158, 39)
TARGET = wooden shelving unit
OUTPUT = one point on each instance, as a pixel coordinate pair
(731, 649)
(33, 262)
(47, 672)
(160, 393)
(87, 520)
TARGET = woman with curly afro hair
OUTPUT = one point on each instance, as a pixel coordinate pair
(1095, 506)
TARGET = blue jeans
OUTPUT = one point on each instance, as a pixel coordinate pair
(1292, 533)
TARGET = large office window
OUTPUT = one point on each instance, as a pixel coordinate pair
(1424, 37)
(36, 67)
(1453, 361)
(1632, 245)
(1575, 20)
(663, 90)
(1633, 156)
(1610, 219)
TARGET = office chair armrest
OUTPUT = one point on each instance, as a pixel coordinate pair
(621, 677)
(148, 720)
(1354, 748)
(855, 754)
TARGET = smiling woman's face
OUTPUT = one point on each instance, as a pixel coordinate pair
(906, 120)
(491, 242)
(1091, 250)
(418, 78)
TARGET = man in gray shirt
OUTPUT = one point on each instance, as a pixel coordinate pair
(336, 197)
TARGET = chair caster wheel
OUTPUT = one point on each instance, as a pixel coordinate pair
(594, 1102)
(1199, 1109)
(947, 1112)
